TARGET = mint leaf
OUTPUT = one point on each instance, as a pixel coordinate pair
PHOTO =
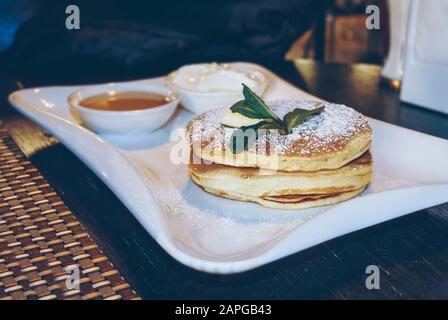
(254, 107)
(298, 116)
(258, 105)
(242, 108)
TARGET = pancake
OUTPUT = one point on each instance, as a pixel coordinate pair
(289, 190)
(256, 183)
(279, 203)
(323, 161)
(327, 141)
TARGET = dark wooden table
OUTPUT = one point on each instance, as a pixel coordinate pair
(412, 251)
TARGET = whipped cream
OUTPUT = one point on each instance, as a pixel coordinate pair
(213, 77)
(237, 120)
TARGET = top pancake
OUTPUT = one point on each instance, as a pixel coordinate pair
(326, 141)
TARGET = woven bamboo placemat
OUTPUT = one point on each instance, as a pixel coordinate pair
(42, 244)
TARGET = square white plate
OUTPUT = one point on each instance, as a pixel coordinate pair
(218, 235)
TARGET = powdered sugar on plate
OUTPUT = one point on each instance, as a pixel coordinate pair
(222, 233)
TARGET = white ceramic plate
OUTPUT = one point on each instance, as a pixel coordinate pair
(217, 235)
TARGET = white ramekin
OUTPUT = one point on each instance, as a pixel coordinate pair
(200, 101)
(124, 122)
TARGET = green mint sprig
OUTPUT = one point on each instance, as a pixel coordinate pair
(254, 107)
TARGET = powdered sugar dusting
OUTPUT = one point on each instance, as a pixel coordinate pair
(207, 233)
(326, 132)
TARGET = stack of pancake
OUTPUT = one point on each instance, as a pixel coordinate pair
(323, 161)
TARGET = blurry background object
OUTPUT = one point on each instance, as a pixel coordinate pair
(340, 35)
(347, 38)
(147, 38)
(133, 39)
(398, 24)
(139, 38)
(425, 80)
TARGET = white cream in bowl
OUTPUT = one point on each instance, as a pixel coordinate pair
(210, 85)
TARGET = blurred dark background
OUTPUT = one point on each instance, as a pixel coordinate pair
(127, 39)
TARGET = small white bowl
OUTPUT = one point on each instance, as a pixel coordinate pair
(124, 122)
(201, 101)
